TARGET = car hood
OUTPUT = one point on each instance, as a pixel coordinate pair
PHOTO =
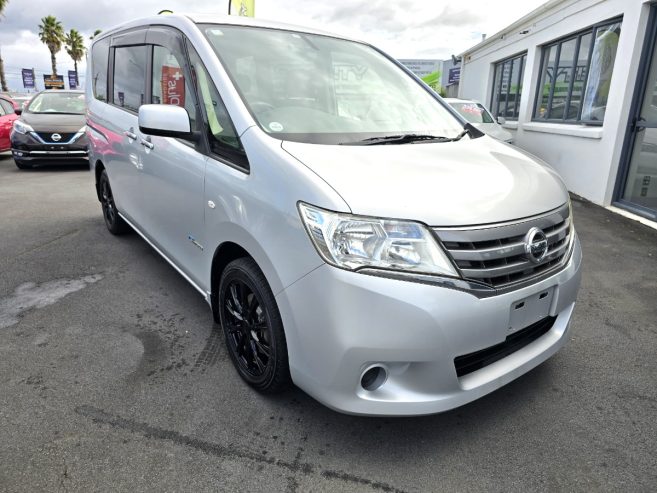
(494, 130)
(468, 182)
(44, 122)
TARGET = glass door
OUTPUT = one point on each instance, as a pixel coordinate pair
(640, 188)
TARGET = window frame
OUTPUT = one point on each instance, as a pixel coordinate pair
(557, 43)
(522, 56)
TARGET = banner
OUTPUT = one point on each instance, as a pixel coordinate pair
(173, 86)
(454, 75)
(245, 8)
(28, 78)
(53, 81)
(72, 79)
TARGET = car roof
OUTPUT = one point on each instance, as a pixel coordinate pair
(213, 18)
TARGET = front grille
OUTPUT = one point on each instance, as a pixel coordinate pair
(496, 255)
(47, 137)
(479, 359)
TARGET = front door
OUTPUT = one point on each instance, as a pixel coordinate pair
(173, 173)
(640, 186)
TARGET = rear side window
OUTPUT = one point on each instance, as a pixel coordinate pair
(130, 77)
(100, 57)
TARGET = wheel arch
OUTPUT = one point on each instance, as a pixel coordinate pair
(224, 254)
(98, 169)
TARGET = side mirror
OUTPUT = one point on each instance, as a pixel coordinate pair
(18, 111)
(501, 120)
(164, 120)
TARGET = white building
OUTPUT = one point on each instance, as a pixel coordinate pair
(576, 82)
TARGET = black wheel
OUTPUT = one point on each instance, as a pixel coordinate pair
(253, 328)
(22, 164)
(114, 222)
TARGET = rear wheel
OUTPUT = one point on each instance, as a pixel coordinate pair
(253, 327)
(115, 223)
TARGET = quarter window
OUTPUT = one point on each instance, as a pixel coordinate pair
(507, 87)
(6, 107)
(100, 57)
(222, 137)
(576, 75)
(130, 77)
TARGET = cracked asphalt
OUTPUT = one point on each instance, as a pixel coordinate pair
(113, 377)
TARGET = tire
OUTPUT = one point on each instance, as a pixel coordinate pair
(115, 223)
(22, 165)
(252, 327)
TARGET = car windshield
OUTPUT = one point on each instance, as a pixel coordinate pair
(473, 112)
(319, 89)
(58, 102)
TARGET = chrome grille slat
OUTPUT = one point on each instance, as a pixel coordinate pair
(495, 254)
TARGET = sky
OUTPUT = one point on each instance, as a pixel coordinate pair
(433, 29)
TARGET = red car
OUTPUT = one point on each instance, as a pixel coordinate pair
(7, 116)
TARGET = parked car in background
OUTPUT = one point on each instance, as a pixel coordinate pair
(51, 130)
(350, 232)
(477, 114)
(7, 116)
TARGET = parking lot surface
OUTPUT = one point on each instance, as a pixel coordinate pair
(113, 377)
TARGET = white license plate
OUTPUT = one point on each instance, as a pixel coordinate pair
(530, 310)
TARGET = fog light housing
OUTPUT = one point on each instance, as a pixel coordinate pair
(373, 378)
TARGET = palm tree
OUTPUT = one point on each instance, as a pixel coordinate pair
(96, 33)
(75, 48)
(3, 80)
(51, 33)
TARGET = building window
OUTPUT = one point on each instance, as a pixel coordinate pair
(576, 75)
(507, 87)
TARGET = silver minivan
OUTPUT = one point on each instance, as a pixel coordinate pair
(351, 232)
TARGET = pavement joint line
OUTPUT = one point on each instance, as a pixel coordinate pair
(99, 416)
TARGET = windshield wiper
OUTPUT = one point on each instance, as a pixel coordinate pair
(410, 138)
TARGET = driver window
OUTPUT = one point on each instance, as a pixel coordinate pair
(170, 85)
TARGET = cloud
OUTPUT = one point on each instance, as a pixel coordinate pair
(403, 28)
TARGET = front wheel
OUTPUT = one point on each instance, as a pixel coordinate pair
(253, 327)
(115, 223)
(22, 165)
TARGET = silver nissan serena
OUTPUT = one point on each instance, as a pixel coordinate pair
(351, 233)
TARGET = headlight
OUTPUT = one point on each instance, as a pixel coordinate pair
(354, 242)
(22, 128)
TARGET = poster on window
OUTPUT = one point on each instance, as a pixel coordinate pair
(173, 86)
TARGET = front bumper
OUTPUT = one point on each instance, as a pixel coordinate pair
(28, 148)
(340, 323)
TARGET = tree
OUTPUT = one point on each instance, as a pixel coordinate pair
(51, 33)
(75, 47)
(96, 33)
(3, 80)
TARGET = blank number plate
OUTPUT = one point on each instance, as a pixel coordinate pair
(530, 310)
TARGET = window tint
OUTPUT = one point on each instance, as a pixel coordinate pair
(221, 133)
(130, 77)
(507, 87)
(576, 75)
(100, 59)
(169, 84)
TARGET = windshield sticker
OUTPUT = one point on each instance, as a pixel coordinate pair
(275, 127)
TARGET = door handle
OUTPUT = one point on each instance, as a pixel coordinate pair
(130, 134)
(147, 144)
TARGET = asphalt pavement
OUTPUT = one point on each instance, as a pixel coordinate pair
(113, 377)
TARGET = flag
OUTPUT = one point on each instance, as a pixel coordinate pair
(245, 8)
